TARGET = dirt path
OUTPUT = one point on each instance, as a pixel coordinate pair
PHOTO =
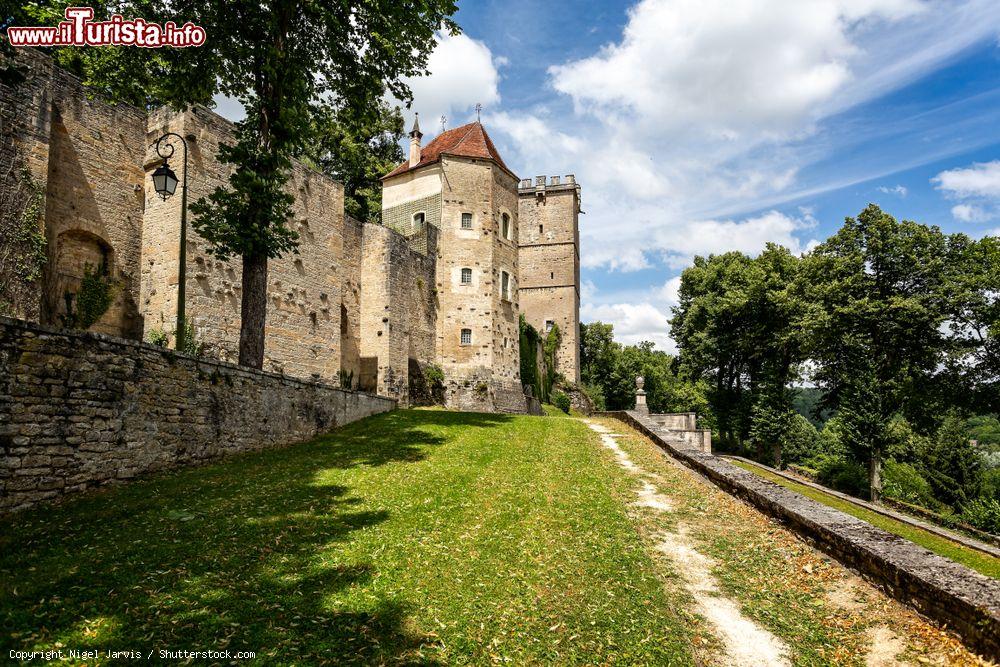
(746, 644)
(761, 596)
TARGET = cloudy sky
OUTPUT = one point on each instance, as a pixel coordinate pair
(701, 126)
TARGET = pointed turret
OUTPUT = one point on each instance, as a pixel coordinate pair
(415, 136)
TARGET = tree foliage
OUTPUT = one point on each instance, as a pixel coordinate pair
(358, 147)
(897, 325)
(609, 369)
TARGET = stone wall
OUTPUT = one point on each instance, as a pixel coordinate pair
(81, 410)
(86, 156)
(398, 309)
(350, 303)
(304, 289)
(676, 420)
(955, 596)
(550, 263)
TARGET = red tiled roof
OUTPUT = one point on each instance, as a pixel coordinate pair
(467, 141)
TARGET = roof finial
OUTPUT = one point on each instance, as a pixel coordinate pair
(415, 132)
(479, 107)
(444, 121)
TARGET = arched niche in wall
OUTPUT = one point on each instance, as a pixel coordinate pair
(75, 252)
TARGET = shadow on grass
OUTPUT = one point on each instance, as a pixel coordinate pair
(233, 555)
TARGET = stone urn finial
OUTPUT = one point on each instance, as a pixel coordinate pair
(640, 396)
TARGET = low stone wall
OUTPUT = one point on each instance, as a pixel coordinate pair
(682, 421)
(80, 410)
(952, 594)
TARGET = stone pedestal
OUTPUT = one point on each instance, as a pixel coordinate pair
(640, 396)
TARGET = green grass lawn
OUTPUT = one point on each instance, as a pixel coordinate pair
(420, 536)
(977, 560)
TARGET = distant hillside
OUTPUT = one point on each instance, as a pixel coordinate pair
(805, 402)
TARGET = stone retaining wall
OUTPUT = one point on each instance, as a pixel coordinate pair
(80, 410)
(951, 594)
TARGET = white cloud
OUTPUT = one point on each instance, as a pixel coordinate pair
(633, 247)
(670, 292)
(980, 180)
(633, 323)
(463, 73)
(749, 236)
(726, 68)
(977, 187)
(969, 213)
(897, 190)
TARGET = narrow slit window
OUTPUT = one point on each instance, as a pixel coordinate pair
(505, 226)
(418, 222)
(505, 285)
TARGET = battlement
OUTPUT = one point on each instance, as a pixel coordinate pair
(542, 183)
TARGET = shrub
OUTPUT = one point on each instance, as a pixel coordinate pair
(192, 347)
(158, 337)
(596, 396)
(984, 514)
(434, 379)
(904, 482)
(846, 476)
(346, 379)
(561, 401)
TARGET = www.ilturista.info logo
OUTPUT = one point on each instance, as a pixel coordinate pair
(79, 29)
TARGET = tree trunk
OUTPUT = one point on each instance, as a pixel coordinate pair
(776, 453)
(253, 310)
(875, 477)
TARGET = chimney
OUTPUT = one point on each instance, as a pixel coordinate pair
(415, 136)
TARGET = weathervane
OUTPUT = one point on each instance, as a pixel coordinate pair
(443, 121)
(479, 107)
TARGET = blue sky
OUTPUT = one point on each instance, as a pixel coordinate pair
(700, 126)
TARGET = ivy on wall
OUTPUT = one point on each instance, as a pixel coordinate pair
(539, 377)
(23, 252)
(97, 292)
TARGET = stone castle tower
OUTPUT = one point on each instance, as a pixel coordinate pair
(459, 185)
(549, 214)
(463, 249)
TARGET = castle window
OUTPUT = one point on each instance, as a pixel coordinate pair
(466, 337)
(505, 226)
(552, 275)
(505, 285)
(466, 276)
(539, 229)
(548, 325)
(418, 222)
(466, 221)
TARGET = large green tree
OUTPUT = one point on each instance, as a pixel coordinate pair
(875, 298)
(710, 328)
(598, 353)
(287, 62)
(734, 327)
(358, 146)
